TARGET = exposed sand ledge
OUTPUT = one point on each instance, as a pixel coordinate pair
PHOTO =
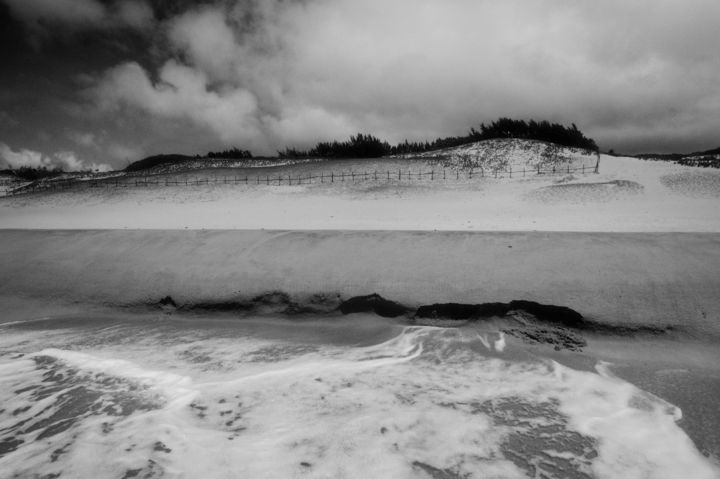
(639, 278)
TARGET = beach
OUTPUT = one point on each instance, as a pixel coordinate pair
(225, 349)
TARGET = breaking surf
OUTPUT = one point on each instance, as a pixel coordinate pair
(356, 396)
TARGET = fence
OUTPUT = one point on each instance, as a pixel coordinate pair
(322, 177)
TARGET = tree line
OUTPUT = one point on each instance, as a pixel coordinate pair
(29, 173)
(369, 146)
(232, 153)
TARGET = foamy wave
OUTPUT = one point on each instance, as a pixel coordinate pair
(428, 402)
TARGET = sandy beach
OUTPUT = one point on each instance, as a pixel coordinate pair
(84, 274)
(628, 195)
(345, 239)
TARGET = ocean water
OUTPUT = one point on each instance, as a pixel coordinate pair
(159, 396)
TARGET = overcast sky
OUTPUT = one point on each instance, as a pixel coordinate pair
(104, 82)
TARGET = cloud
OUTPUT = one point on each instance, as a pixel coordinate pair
(85, 139)
(23, 158)
(58, 11)
(124, 153)
(8, 120)
(182, 92)
(209, 40)
(266, 74)
(65, 160)
(134, 13)
(43, 17)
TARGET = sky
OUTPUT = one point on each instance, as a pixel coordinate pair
(96, 84)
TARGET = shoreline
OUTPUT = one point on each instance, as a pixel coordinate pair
(641, 278)
(626, 278)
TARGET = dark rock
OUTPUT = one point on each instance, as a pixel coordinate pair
(271, 302)
(373, 303)
(558, 338)
(167, 301)
(272, 298)
(542, 312)
(461, 311)
(221, 306)
(550, 313)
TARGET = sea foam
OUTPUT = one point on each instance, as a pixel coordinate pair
(427, 402)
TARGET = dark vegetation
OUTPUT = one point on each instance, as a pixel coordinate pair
(33, 174)
(705, 159)
(368, 146)
(152, 161)
(359, 146)
(232, 154)
(703, 162)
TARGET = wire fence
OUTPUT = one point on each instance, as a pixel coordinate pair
(321, 177)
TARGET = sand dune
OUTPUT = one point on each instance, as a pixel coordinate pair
(628, 195)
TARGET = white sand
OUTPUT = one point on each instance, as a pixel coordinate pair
(629, 195)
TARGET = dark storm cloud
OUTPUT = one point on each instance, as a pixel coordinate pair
(49, 17)
(265, 74)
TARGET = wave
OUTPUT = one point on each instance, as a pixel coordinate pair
(427, 402)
